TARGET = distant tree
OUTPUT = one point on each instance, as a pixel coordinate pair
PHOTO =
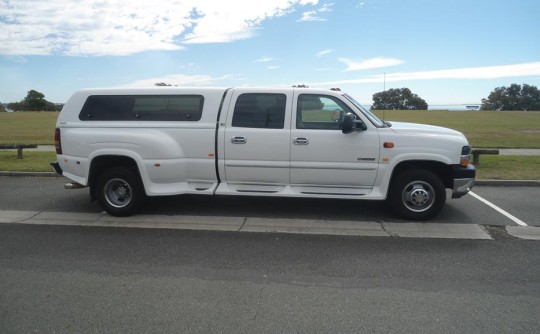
(50, 106)
(398, 99)
(2, 108)
(161, 84)
(516, 97)
(312, 103)
(35, 101)
(301, 86)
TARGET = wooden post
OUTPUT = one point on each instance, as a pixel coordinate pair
(476, 154)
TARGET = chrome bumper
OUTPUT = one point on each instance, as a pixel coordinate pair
(462, 187)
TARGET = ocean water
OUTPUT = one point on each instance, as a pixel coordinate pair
(449, 107)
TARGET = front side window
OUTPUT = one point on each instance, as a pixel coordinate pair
(320, 112)
(142, 108)
(260, 110)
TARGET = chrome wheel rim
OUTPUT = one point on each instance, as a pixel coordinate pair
(118, 193)
(418, 196)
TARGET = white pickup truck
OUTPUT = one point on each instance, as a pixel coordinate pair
(126, 144)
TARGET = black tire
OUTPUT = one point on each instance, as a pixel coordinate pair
(120, 192)
(417, 194)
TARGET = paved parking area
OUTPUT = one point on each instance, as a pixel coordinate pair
(35, 200)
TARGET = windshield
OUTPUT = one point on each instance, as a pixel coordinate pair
(374, 119)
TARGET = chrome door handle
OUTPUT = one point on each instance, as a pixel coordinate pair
(238, 140)
(300, 141)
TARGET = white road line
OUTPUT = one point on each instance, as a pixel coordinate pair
(496, 208)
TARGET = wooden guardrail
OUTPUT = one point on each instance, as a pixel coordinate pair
(18, 147)
(477, 151)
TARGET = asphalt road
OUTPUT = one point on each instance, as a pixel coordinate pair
(74, 279)
(65, 279)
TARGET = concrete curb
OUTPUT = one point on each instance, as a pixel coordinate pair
(250, 225)
(508, 183)
(268, 225)
(32, 174)
(524, 232)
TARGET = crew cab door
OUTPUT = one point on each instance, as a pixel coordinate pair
(323, 159)
(256, 141)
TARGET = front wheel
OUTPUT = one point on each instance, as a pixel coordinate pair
(120, 192)
(417, 194)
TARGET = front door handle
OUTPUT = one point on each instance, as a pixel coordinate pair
(238, 140)
(300, 141)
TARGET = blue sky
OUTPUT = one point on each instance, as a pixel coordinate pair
(446, 51)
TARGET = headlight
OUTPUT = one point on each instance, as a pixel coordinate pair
(465, 156)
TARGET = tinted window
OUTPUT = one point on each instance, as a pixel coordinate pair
(142, 108)
(320, 112)
(260, 110)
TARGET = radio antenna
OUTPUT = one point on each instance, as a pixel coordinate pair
(384, 90)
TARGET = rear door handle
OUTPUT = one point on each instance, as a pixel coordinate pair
(300, 141)
(238, 140)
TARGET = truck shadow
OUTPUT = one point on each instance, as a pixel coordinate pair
(270, 207)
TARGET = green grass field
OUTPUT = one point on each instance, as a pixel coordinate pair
(27, 127)
(488, 129)
(483, 129)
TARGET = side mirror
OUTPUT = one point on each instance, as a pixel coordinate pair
(351, 124)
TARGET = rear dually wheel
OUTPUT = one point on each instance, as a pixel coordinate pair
(120, 191)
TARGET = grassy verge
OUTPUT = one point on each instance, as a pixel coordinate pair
(505, 167)
(32, 162)
(508, 167)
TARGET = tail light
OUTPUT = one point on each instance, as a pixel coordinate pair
(57, 141)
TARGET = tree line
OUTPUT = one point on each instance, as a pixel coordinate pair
(513, 98)
(516, 97)
(34, 101)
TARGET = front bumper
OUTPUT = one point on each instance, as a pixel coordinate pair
(463, 180)
(56, 167)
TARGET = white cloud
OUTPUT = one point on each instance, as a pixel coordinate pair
(366, 64)
(310, 16)
(180, 80)
(487, 72)
(225, 21)
(273, 67)
(264, 59)
(324, 52)
(313, 15)
(123, 27)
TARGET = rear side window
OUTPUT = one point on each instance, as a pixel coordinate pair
(260, 110)
(142, 108)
